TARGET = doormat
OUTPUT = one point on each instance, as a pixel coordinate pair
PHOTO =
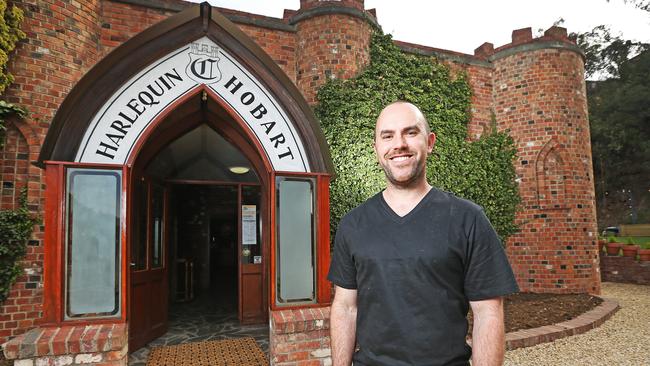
(229, 352)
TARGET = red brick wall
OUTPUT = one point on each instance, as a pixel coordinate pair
(300, 337)
(624, 270)
(14, 167)
(309, 4)
(330, 46)
(61, 45)
(99, 344)
(120, 22)
(539, 96)
(18, 312)
(280, 45)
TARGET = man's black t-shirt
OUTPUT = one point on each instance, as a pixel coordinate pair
(414, 276)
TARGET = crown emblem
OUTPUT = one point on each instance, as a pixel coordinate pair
(205, 49)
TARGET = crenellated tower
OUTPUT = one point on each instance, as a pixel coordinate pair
(332, 41)
(539, 97)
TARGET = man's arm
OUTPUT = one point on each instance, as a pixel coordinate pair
(488, 337)
(343, 324)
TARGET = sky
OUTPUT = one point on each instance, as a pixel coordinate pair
(463, 25)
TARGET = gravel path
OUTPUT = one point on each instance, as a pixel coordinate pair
(622, 340)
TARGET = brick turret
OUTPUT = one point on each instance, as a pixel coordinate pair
(332, 41)
(539, 96)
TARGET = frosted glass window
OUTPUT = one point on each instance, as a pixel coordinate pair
(295, 242)
(93, 243)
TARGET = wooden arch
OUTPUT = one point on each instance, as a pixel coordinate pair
(71, 121)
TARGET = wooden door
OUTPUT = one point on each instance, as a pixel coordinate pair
(149, 285)
(252, 307)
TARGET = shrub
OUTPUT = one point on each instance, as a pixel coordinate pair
(15, 229)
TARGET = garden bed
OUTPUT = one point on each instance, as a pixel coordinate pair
(528, 310)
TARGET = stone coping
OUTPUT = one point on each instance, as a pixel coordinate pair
(67, 340)
(548, 333)
(300, 320)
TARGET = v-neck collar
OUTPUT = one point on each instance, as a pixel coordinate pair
(391, 214)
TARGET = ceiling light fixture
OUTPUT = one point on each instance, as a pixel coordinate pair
(239, 169)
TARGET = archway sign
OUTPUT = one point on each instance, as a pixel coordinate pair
(115, 129)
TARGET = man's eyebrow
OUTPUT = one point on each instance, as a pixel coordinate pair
(413, 127)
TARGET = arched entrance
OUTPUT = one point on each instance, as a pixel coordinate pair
(200, 220)
(174, 107)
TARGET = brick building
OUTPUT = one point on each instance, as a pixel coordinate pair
(139, 108)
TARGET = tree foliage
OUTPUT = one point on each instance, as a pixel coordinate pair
(481, 171)
(606, 52)
(10, 34)
(620, 129)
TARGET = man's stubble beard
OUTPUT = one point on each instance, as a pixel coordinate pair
(417, 173)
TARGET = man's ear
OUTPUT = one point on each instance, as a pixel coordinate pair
(431, 141)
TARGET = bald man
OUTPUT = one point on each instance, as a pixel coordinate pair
(410, 261)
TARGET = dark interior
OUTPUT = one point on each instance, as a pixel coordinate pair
(204, 235)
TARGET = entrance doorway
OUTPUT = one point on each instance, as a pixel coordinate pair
(146, 118)
(196, 240)
(213, 225)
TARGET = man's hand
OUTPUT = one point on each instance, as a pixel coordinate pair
(488, 336)
(343, 324)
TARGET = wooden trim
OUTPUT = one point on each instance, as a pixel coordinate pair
(239, 142)
(323, 245)
(210, 182)
(125, 215)
(52, 246)
(302, 174)
(273, 241)
(75, 164)
(160, 118)
(322, 238)
(55, 241)
(240, 285)
(237, 132)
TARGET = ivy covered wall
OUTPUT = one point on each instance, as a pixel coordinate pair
(481, 170)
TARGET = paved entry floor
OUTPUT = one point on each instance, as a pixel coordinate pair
(205, 318)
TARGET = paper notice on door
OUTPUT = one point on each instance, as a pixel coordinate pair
(248, 224)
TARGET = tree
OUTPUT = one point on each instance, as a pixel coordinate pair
(620, 136)
(605, 52)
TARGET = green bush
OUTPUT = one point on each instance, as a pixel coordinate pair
(10, 34)
(15, 229)
(481, 171)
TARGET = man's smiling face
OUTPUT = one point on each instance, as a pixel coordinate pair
(402, 143)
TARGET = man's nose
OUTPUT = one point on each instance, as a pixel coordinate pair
(399, 142)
